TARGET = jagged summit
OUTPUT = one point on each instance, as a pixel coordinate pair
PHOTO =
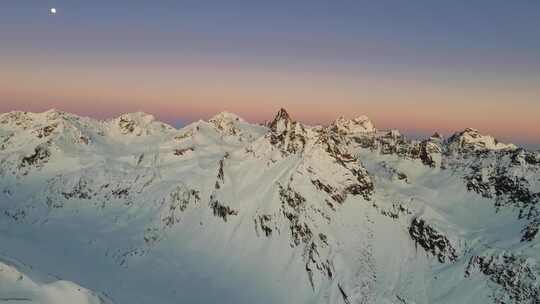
(282, 114)
(18, 120)
(281, 122)
(138, 123)
(141, 123)
(231, 124)
(360, 124)
(437, 136)
(139, 116)
(290, 136)
(471, 140)
(51, 113)
(226, 116)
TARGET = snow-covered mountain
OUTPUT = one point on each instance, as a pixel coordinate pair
(32, 287)
(225, 211)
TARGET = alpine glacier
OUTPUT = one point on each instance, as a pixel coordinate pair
(226, 211)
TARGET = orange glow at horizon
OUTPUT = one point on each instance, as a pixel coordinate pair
(185, 91)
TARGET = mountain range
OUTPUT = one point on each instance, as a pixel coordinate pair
(133, 210)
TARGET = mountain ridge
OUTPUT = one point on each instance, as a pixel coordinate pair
(139, 117)
(274, 213)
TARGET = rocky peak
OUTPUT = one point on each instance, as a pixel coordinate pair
(138, 123)
(360, 124)
(16, 119)
(290, 136)
(436, 137)
(282, 121)
(472, 140)
(28, 120)
(140, 117)
(227, 123)
(54, 114)
(225, 117)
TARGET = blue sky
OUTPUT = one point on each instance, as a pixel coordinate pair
(350, 57)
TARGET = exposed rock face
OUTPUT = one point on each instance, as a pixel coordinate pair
(45, 131)
(303, 234)
(182, 151)
(227, 122)
(221, 210)
(432, 241)
(531, 230)
(263, 222)
(396, 211)
(134, 124)
(37, 159)
(17, 119)
(282, 122)
(471, 140)
(430, 152)
(138, 124)
(289, 136)
(177, 202)
(361, 124)
(517, 276)
(505, 177)
(353, 177)
(293, 207)
(127, 125)
(393, 143)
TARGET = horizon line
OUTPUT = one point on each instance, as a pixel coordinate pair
(181, 122)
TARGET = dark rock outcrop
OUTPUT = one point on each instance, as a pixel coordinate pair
(38, 158)
(432, 241)
(221, 210)
(288, 135)
(516, 277)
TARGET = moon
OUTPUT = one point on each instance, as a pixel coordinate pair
(53, 11)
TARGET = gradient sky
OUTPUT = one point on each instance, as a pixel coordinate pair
(419, 66)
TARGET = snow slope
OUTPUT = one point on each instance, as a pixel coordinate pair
(29, 287)
(224, 211)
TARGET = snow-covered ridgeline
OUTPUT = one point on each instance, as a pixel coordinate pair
(226, 209)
